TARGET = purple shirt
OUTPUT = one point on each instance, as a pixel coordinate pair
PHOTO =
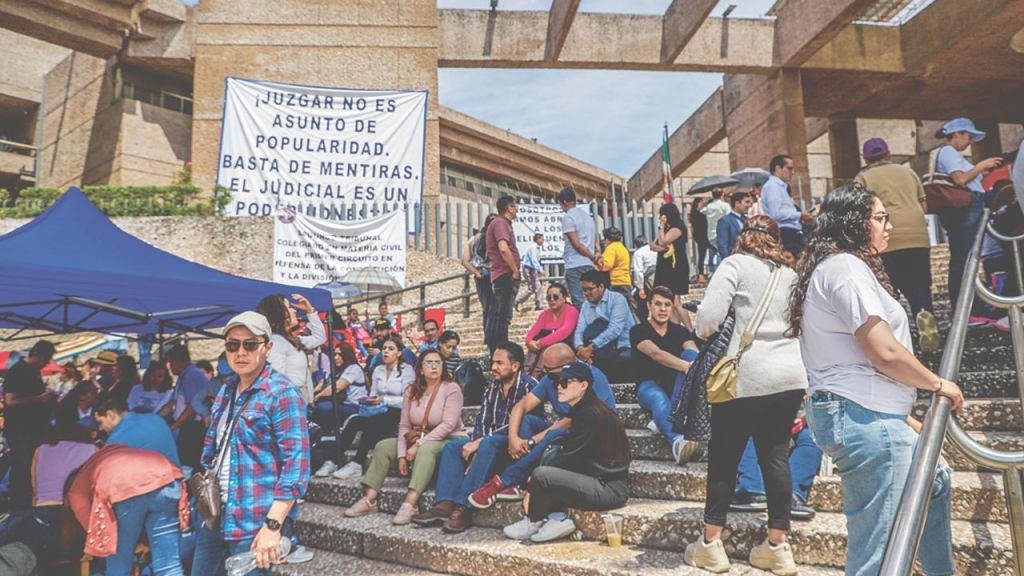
(500, 229)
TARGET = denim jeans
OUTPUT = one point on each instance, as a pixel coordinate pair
(572, 284)
(520, 470)
(659, 398)
(961, 227)
(323, 413)
(155, 512)
(804, 462)
(496, 331)
(35, 528)
(872, 452)
(212, 551)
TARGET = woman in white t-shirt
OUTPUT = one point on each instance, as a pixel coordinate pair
(855, 342)
(350, 385)
(153, 396)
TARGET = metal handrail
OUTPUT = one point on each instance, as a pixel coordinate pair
(909, 523)
(466, 296)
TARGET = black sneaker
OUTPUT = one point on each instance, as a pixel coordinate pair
(799, 510)
(747, 502)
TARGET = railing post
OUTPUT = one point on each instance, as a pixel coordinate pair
(466, 301)
(423, 302)
(1013, 484)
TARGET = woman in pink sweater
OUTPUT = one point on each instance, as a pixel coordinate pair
(554, 325)
(431, 415)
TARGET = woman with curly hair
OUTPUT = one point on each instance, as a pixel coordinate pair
(770, 385)
(855, 340)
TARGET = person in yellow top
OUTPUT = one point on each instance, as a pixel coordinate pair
(615, 261)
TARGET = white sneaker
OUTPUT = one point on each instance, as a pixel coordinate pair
(326, 470)
(684, 450)
(350, 470)
(776, 559)
(554, 529)
(523, 529)
(1003, 324)
(652, 426)
(710, 557)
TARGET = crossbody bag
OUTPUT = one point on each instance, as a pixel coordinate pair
(204, 486)
(412, 436)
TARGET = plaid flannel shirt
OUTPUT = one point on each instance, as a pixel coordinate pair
(495, 409)
(269, 451)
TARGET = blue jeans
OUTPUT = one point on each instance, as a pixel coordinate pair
(572, 284)
(872, 452)
(520, 470)
(212, 551)
(804, 462)
(659, 398)
(961, 227)
(157, 513)
(323, 413)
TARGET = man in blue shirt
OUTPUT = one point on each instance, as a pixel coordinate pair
(730, 226)
(431, 331)
(532, 273)
(602, 332)
(777, 204)
(581, 251)
(530, 434)
(466, 463)
(134, 429)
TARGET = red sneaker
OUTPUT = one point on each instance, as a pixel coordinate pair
(487, 494)
(511, 494)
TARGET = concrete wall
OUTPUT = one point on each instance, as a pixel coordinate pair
(344, 43)
(25, 59)
(92, 136)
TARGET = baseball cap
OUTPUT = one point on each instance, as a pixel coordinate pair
(256, 323)
(875, 148)
(107, 358)
(574, 371)
(960, 125)
(382, 324)
(567, 195)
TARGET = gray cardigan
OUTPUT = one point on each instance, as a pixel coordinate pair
(772, 363)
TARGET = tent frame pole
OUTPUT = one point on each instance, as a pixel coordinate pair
(334, 387)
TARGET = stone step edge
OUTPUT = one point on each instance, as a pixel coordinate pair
(486, 552)
(326, 562)
(977, 496)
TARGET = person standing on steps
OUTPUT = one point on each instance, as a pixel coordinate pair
(731, 224)
(715, 210)
(699, 228)
(581, 251)
(474, 260)
(505, 273)
(777, 204)
(864, 380)
(532, 273)
(755, 282)
(673, 268)
(907, 260)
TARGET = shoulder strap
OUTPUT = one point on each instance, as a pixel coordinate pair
(430, 404)
(223, 443)
(935, 165)
(747, 338)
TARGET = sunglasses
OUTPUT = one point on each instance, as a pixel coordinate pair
(553, 297)
(563, 383)
(250, 345)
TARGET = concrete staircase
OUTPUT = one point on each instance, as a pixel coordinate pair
(666, 507)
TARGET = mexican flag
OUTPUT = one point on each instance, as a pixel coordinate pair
(666, 168)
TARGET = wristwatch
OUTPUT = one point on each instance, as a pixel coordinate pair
(272, 524)
(530, 443)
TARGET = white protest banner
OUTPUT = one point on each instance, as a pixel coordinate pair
(547, 220)
(309, 251)
(316, 149)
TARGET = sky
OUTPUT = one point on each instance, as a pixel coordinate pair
(610, 118)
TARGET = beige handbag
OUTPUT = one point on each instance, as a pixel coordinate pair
(721, 382)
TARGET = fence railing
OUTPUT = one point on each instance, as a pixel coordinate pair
(17, 148)
(421, 307)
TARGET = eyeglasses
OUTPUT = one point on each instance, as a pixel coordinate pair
(554, 297)
(882, 218)
(433, 362)
(250, 345)
(588, 289)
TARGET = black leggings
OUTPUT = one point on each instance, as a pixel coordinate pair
(555, 489)
(769, 420)
(703, 250)
(373, 428)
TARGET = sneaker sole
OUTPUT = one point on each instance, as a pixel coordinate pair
(360, 514)
(564, 534)
(689, 560)
(479, 506)
(510, 498)
(448, 530)
(744, 509)
(428, 523)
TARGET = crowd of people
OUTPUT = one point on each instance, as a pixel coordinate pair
(190, 462)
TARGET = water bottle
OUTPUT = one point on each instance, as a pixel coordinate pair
(242, 564)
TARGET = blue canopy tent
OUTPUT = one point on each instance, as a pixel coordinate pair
(72, 270)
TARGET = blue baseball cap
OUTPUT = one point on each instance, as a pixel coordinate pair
(960, 125)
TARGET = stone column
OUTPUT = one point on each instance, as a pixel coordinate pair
(764, 116)
(844, 147)
(385, 44)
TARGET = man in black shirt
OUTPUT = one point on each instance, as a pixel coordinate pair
(28, 410)
(662, 351)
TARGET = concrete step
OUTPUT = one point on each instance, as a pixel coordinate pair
(326, 562)
(980, 548)
(486, 552)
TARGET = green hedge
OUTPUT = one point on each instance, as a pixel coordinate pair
(170, 200)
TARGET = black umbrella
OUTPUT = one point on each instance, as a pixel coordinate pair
(750, 177)
(710, 183)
